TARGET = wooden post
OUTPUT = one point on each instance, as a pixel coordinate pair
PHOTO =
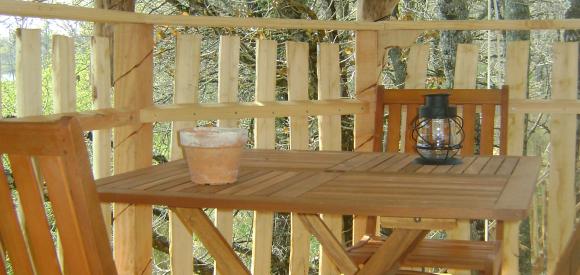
(133, 81)
(265, 139)
(416, 78)
(229, 58)
(367, 77)
(28, 73)
(101, 86)
(329, 129)
(63, 74)
(517, 58)
(561, 198)
(465, 78)
(366, 81)
(187, 66)
(297, 58)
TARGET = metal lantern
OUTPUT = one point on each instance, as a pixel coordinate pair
(438, 131)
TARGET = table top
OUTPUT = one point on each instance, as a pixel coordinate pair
(378, 184)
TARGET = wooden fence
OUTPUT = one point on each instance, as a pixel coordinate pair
(134, 113)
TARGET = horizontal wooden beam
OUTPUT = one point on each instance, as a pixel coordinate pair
(457, 96)
(111, 118)
(566, 24)
(187, 112)
(56, 11)
(90, 120)
(555, 106)
(66, 12)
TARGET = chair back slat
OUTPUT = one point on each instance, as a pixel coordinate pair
(10, 232)
(62, 163)
(487, 129)
(468, 99)
(74, 250)
(411, 114)
(469, 130)
(36, 225)
(394, 121)
(503, 122)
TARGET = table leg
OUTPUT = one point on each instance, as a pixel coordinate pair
(385, 259)
(334, 249)
(196, 221)
(392, 251)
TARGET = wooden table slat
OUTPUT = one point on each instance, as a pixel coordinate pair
(387, 184)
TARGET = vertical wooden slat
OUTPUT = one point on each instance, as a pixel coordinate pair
(465, 75)
(465, 78)
(133, 78)
(297, 58)
(329, 129)
(366, 81)
(229, 58)
(228, 61)
(10, 232)
(487, 129)
(265, 139)
(187, 65)
(63, 84)
(264, 132)
(561, 200)
(394, 128)
(517, 59)
(469, 130)
(38, 231)
(63, 74)
(101, 87)
(28, 73)
(416, 78)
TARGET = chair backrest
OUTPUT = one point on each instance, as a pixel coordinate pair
(468, 99)
(49, 160)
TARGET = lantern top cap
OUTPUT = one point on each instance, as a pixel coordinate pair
(437, 107)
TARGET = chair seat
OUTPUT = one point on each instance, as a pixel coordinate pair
(458, 254)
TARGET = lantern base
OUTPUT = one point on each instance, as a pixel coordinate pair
(450, 161)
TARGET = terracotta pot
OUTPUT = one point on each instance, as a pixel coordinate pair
(213, 154)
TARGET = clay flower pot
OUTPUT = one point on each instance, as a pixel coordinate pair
(213, 154)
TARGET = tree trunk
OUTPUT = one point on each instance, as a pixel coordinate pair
(573, 12)
(514, 10)
(452, 10)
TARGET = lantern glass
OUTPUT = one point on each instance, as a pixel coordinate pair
(438, 131)
(439, 139)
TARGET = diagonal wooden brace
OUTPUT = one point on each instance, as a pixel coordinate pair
(334, 249)
(196, 221)
(392, 252)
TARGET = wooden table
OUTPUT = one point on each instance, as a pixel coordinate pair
(374, 184)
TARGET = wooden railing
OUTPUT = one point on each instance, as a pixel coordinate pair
(133, 118)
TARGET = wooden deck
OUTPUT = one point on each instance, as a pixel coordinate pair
(379, 184)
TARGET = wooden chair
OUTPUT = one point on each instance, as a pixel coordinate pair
(569, 262)
(53, 153)
(483, 256)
